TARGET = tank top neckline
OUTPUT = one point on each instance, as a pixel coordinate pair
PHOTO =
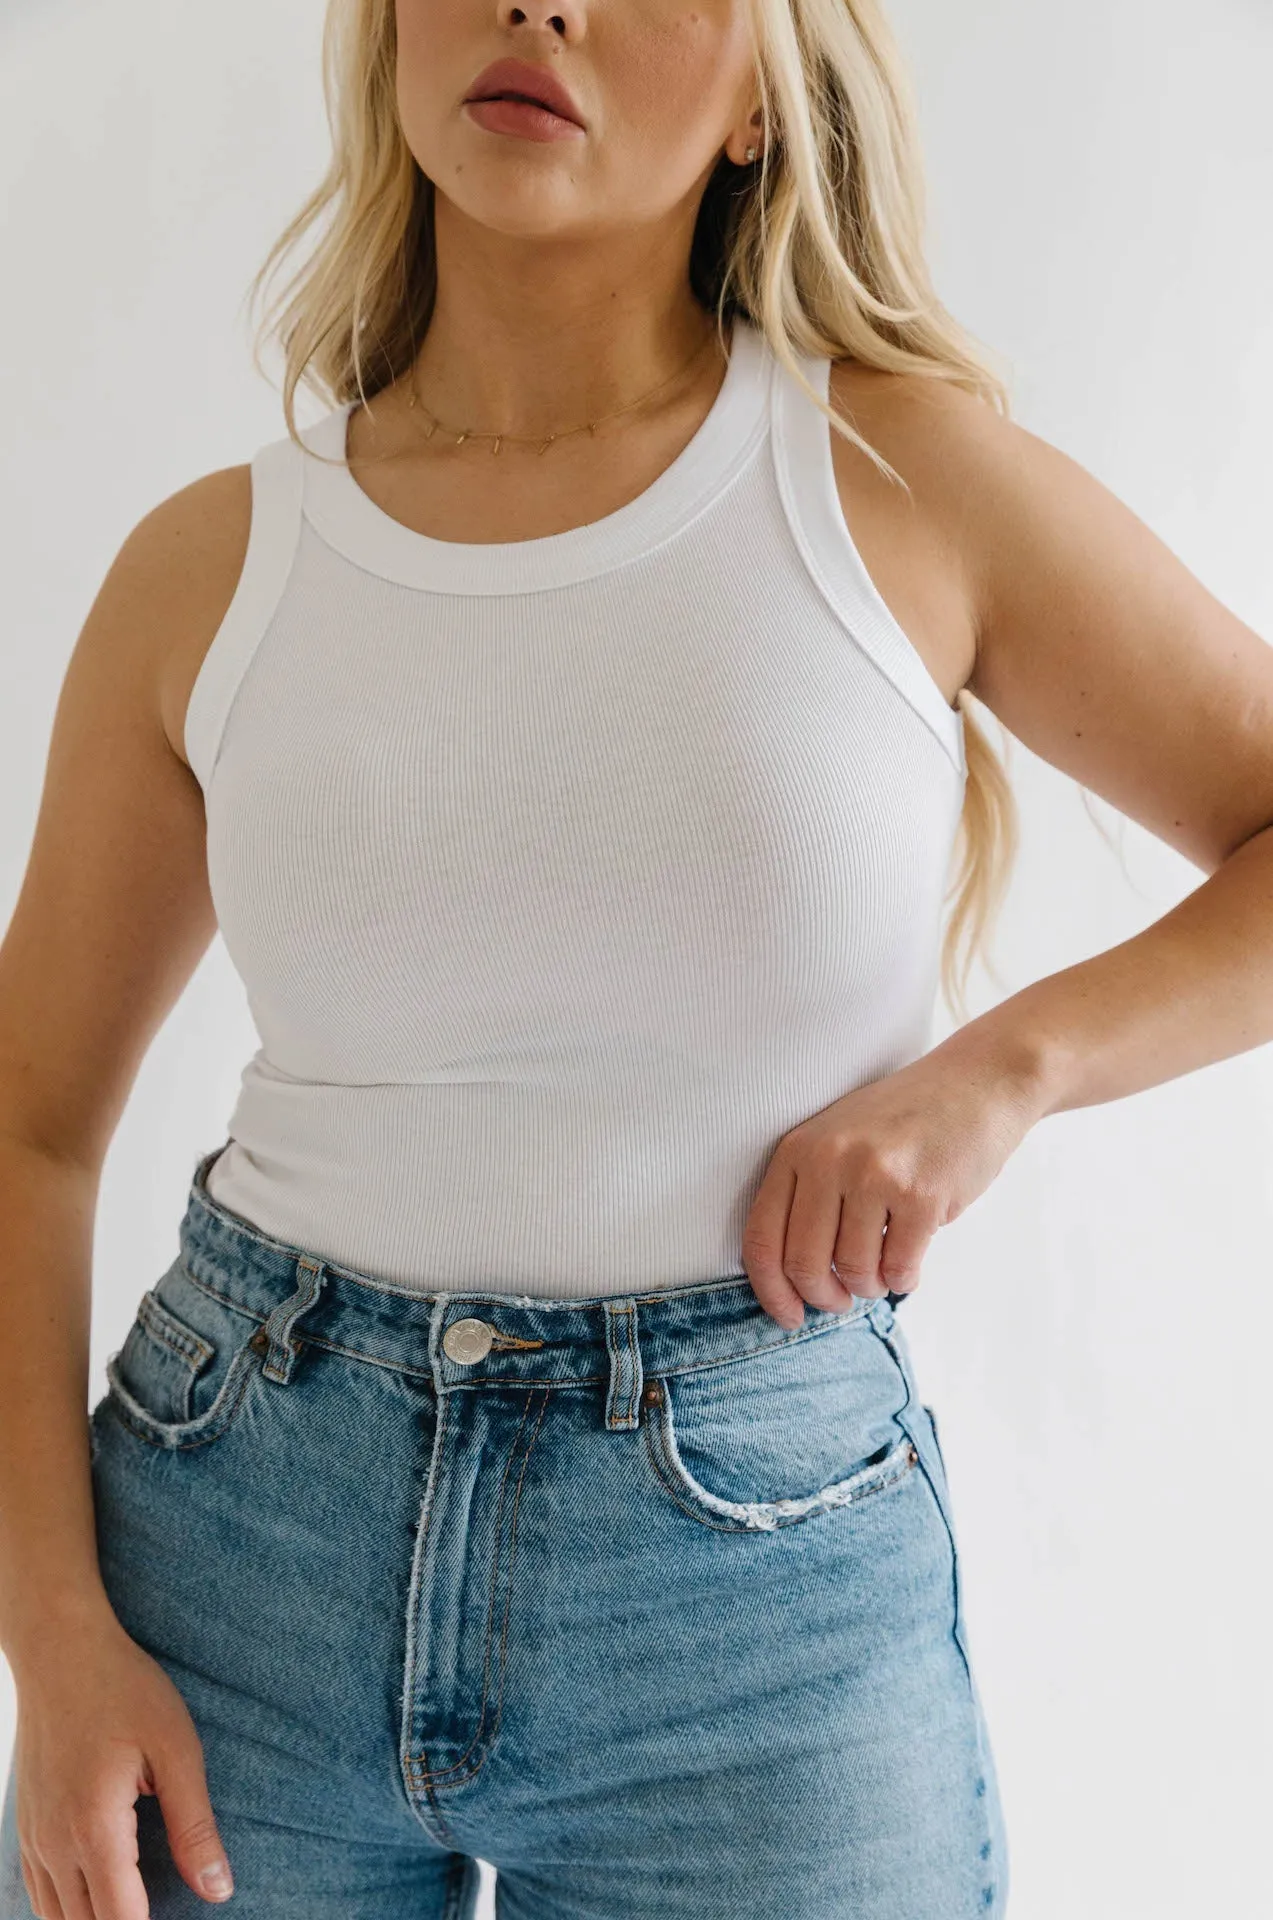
(350, 521)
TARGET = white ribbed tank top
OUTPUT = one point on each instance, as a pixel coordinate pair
(565, 875)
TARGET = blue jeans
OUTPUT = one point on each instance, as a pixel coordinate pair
(646, 1601)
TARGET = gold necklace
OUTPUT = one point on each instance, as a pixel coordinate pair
(589, 426)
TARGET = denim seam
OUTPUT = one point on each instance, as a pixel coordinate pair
(442, 1831)
(512, 1381)
(582, 1379)
(418, 1770)
(215, 1293)
(562, 1381)
(853, 1318)
(956, 1580)
(490, 1607)
(369, 1359)
(165, 1326)
(907, 1420)
(450, 1776)
(631, 1412)
(226, 1415)
(664, 1372)
(767, 1346)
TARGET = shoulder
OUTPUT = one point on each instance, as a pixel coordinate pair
(988, 489)
(912, 401)
(181, 555)
(984, 474)
(193, 535)
(938, 436)
(171, 585)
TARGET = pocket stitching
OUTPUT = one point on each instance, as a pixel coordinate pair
(765, 1516)
(180, 1434)
(163, 1325)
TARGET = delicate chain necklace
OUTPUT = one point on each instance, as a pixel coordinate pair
(543, 443)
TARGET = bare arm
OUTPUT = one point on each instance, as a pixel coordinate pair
(1100, 650)
(111, 920)
(1110, 659)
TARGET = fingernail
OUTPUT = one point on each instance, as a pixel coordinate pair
(216, 1882)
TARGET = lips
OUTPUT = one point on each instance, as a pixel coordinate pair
(519, 80)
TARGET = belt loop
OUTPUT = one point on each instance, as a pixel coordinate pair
(624, 1347)
(275, 1332)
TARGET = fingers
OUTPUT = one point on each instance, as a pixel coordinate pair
(764, 1238)
(910, 1231)
(108, 1860)
(874, 1269)
(182, 1789)
(77, 1808)
(787, 1247)
(816, 1235)
(775, 1292)
(802, 1225)
(91, 1874)
(40, 1891)
(72, 1900)
(88, 1871)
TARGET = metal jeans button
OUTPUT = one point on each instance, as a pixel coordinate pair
(468, 1340)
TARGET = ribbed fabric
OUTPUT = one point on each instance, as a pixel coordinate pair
(565, 875)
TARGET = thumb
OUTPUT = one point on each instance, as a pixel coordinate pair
(182, 1790)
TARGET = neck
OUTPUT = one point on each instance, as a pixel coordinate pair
(539, 344)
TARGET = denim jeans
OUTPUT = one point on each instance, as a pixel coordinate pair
(645, 1600)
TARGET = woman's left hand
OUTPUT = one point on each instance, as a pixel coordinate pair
(907, 1153)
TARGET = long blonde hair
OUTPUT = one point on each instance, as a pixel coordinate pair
(819, 244)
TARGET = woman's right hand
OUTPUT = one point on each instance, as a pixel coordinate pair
(100, 1722)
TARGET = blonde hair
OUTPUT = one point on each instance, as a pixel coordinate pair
(819, 244)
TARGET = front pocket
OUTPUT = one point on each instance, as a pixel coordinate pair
(805, 1427)
(181, 1375)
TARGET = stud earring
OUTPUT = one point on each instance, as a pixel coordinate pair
(751, 153)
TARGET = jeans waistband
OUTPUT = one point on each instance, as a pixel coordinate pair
(473, 1339)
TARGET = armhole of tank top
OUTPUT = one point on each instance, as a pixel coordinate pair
(811, 499)
(277, 477)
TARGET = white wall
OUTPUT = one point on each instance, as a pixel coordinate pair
(1095, 1331)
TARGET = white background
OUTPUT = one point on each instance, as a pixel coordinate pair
(1095, 1332)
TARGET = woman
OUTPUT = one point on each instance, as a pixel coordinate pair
(521, 1458)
